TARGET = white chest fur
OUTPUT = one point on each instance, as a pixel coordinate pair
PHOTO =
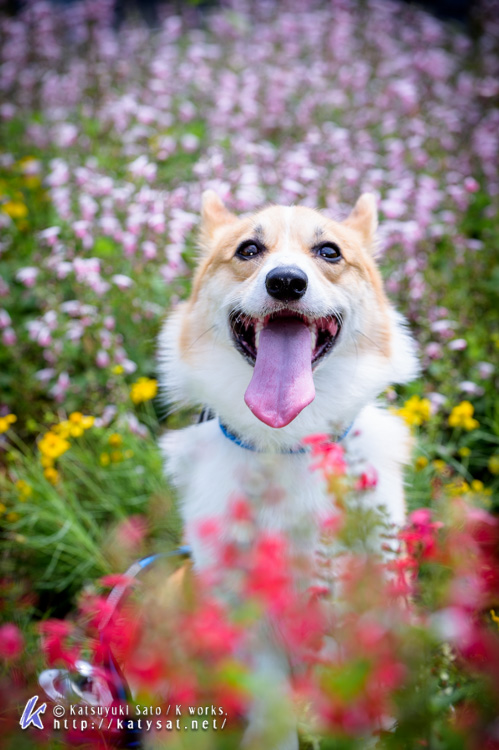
(210, 471)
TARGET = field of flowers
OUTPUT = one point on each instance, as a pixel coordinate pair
(107, 142)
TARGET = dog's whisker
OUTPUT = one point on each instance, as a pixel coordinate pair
(371, 341)
(201, 336)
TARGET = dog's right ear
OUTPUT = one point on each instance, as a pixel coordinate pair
(213, 214)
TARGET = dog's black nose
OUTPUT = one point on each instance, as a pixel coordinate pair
(286, 283)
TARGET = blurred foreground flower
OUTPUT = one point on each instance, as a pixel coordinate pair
(11, 641)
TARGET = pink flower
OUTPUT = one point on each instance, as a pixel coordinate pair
(189, 142)
(485, 369)
(367, 480)
(132, 532)
(122, 281)
(5, 319)
(471, 185)
(434, 350)
(11, 641)
(58, 391)
(65, 134)
(27, 276)
(149, 250)
(9, 337)
(420, 535)
(102, 359)
(209, 631)
(54, 642)
(453, 624)
(331, 455)
(457, 345)
(472, 389)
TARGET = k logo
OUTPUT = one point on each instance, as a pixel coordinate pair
(32, 716)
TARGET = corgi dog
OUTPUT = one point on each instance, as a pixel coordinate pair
(287, 333)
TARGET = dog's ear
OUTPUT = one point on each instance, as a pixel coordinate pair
(364, 218)
(213, 214)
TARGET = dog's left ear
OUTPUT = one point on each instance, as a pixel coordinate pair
(213, 213)
(364, 218)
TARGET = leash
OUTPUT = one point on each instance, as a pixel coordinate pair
(60, 685)
(131, 737)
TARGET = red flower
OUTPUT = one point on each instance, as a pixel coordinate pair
(367, 480)
(54, 636)
(331, 455)
(131, 532)
(268, 575)
(11, 641)
(240, 509)
(420, 536)
(207, 529)
(210, 632)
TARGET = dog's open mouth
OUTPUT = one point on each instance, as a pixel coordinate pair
(283, 348)
(246, 332)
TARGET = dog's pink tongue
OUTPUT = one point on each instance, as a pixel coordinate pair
(282, 383)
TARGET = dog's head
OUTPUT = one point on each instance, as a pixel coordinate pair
(287, 323)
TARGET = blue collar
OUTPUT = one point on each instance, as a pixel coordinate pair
(250, 447)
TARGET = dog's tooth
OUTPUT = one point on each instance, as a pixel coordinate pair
(258, 330)
(313, 338)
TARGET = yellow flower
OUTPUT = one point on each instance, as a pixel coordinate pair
(494, 464)
(3, 508)
(458, 487)
(116, 457)
(118, 370)
(143, 390)
(421, 463)
(15, 209)
(75, 426)
(115, 440)
(63, 429)
(24, 489)
(464, 452)
(52, 475)
(104, 459)
(46, 462)
(415, 411)
(128, 454)
(32, 181)
(53, 445)
(440, 466)
(5, 422)
(477, 485)
(12, 516)
(462, 416)
(28, 162)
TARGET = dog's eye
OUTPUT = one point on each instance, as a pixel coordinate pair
(249, 249)
(329, 251)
